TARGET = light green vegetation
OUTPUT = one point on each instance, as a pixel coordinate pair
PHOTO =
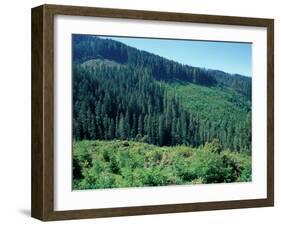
(212, 103)
(120, 164)
(142, 120)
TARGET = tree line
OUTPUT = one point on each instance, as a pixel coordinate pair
(126, 102)
(86, 47)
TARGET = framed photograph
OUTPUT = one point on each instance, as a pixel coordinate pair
(141, 112)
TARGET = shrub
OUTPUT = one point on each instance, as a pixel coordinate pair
(156, 176)
(104, 180)
(114, 165)
(214, 146)
(246, 175)
(106, 155)
(232, 166)
(207, 165)
(138, 137)
(111, 164)
(144, 139)
(182, 169)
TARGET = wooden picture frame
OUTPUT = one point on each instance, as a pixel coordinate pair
(42, 203)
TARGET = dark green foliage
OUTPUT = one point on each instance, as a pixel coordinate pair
(153, 121)
(76, 169)
(109, 100)
(207, 165)
(113, 100)
(218, 117)
(116, 164)
(90, 47)
(182, 169)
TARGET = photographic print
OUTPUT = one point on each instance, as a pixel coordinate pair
(158, 112)
(146, 112)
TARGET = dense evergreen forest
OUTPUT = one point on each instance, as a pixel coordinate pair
(120, 92)
(90, 47)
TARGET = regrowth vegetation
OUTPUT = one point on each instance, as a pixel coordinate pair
(121, 93)
(118, 164)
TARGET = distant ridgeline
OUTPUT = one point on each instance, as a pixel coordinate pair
(120, 92)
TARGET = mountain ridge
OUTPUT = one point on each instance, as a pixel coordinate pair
(170, 69)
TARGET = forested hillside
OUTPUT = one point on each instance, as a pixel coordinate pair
(120, 92)
(90, 47)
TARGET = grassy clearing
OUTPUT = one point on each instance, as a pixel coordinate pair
(120, 164)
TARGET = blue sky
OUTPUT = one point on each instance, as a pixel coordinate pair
(231, 57)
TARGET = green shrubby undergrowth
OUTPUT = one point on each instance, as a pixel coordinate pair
(120, 164)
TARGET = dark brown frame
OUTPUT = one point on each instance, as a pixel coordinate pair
(42, 203)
